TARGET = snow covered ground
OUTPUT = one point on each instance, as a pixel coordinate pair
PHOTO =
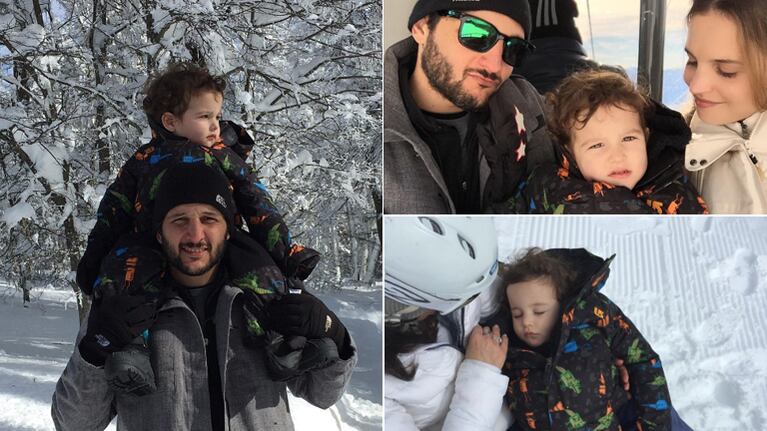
(35, 344)
(697, 289)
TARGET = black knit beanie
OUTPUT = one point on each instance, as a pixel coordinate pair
(518, 10)
(193, 183)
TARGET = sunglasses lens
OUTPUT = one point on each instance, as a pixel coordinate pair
(514, 51)
(477, 35)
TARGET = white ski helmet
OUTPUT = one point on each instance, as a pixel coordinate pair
(438, 262)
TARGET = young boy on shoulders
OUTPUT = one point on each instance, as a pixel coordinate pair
(183, 106)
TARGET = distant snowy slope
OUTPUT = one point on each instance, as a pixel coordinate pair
(36, 342)
(697, 289)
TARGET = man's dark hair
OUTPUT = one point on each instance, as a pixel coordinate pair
(432, 19)
(172, 90)
(532, 264)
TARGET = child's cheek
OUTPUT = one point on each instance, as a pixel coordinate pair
(518, 329)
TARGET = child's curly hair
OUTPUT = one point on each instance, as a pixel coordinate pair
(534, 263)
(172, 90)
(577, 98)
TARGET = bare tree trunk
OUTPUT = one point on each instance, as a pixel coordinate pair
(334, 248)
(72, 241)
(99, 52)
(151, 34)
(377, 202)
(23, 274)
(372, 261)
(103, 152)
(38, 12)
(353, 244)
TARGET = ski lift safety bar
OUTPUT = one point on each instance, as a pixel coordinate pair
(652, 27)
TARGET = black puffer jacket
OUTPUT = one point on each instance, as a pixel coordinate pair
(576, 385)
(664, 188)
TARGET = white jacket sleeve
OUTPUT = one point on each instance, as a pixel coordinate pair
(397, 417)
(478, 398)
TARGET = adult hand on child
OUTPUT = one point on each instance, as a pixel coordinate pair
(488, 345)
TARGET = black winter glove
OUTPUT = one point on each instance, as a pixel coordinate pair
(113, 323)
(236, 138)
(301, 262)
(295, 355)
(305, 315)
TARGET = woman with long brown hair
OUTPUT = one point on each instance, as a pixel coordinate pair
(726, 74)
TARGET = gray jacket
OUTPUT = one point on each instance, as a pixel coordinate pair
(413, 183)
(253, 401)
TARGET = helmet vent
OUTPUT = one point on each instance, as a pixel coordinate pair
(432, 224)
(467, 247)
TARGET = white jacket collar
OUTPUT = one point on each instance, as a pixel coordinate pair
(709, 142)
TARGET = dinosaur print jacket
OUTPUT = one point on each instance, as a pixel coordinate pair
(664, 189)
(128, 202)
(576, 386)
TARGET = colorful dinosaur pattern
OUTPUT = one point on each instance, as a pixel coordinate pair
(578, 387)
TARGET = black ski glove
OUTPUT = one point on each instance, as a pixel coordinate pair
(301, 262)
(305, 315)
(295, 355)
(113, 323)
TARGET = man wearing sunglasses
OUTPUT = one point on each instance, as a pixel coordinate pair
(459, 130)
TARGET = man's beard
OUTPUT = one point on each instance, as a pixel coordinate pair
(174, 258)
(439, 73)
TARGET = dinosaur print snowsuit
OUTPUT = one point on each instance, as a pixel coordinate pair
(122, 252)
(576, 386)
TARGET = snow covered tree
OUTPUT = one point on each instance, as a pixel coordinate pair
(304, 78)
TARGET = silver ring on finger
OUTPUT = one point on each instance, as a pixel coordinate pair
(498, 339)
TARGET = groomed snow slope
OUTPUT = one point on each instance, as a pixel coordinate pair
(697, 289)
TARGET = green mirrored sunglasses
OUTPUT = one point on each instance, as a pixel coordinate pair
(481, 36)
